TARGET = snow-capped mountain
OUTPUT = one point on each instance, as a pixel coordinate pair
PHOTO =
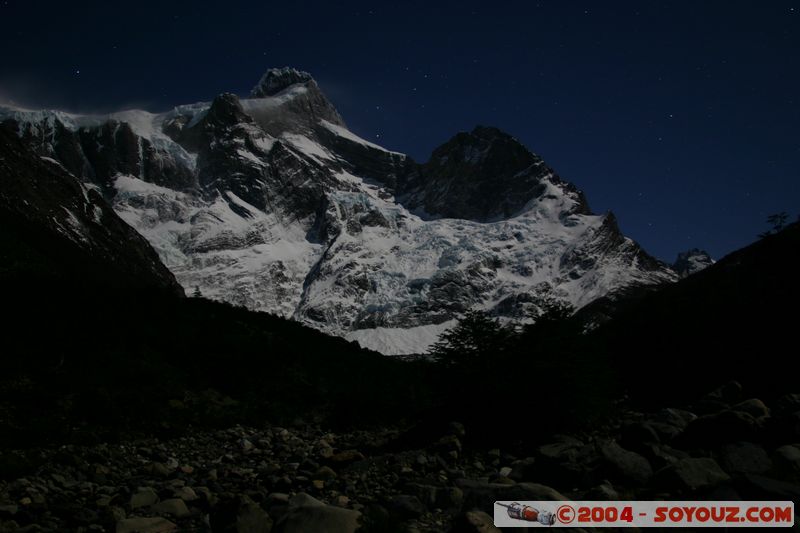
(270, 202)
(691, 261)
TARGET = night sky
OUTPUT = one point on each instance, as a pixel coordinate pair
(681, 117)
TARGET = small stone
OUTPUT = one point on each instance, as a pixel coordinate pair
(103, 501)
(159, 469)
(457, 429)
(117, 513)
(318, 484)
(407, 506)
(325, 473)
(186, 494)
(505, 471)
(206, 494)
(341, 501)
(448, 443)
(347, 456)
(449, 497)
(278, 498)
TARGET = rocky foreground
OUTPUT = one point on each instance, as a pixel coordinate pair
(302, 479)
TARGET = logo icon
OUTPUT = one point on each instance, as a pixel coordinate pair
(526, 513)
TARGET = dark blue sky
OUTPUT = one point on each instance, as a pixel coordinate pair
(681, 117)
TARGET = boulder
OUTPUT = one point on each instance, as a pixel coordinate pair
(173, 507)
(666, 432)
(758, 487)
(306, 514)
(565, 462)
(144, 497)
(661, 455)
(406, 506)
(602, 492)
(563, 448)
(729, 393)
(449, 498)
(347, 456)
(474, 522)
(523, 469)
(678, 418)
(788, 403)
(754, 407)
(625, 465)
(252, 518)
(448, 443)
(744, 458)
(634, 436)
(481, 495)
(425, 493)
(787, 462)
(691, 474)
(720, 428)
(145, 525)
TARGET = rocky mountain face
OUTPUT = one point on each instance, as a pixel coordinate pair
(53, 225)
(692, 261)
(271, 203)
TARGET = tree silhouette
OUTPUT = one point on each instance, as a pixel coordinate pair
(475, 337)
(552, 311)
(777, 221)
(197, 293)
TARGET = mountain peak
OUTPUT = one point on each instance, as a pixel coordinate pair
(276, 80)
(488, 132)
(482, 143)
(692, 261)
